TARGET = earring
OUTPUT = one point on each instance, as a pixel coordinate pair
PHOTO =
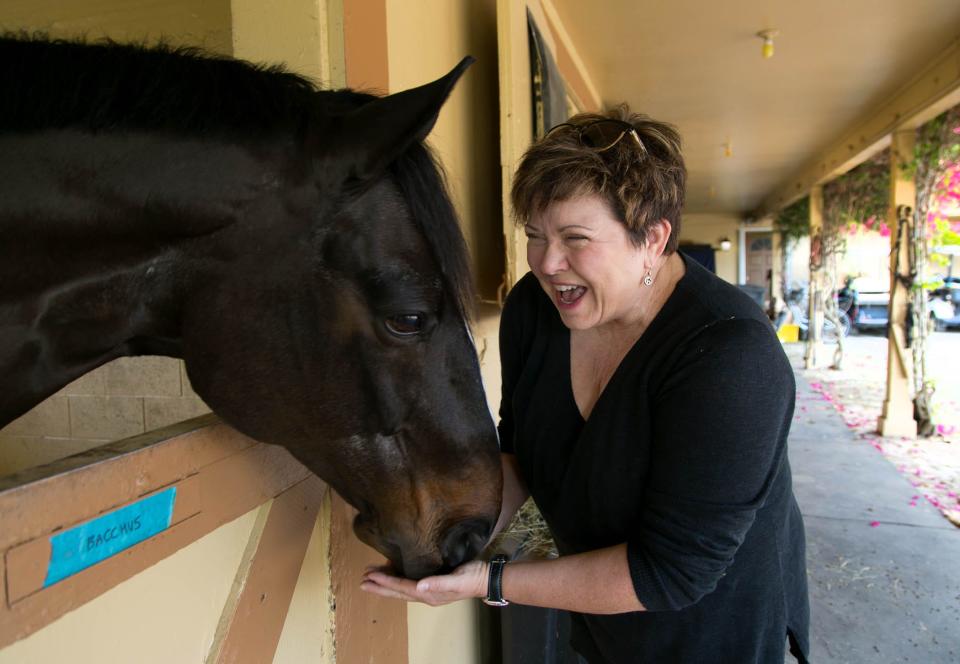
(648, 279)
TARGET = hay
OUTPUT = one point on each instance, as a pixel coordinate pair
(526, 537)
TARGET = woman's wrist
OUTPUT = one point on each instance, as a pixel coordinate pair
(494, 591)
(484, 589)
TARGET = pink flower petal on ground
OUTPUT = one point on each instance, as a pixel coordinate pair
(874, 524)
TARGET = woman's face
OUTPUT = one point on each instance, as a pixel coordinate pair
(585, 262)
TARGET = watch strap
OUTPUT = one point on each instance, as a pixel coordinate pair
(495, 582)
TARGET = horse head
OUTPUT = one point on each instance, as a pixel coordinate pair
(332, 319)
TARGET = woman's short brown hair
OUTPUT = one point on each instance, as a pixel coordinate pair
(642, 184)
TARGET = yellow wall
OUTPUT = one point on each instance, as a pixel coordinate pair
(204, 23)
(307, 634)
(166, 614)
(293, 32)
(710, 229)
(425, 40)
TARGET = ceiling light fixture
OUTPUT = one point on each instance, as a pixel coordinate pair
(725, 244)
(767, 36)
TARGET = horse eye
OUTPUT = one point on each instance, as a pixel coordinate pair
(405, 325)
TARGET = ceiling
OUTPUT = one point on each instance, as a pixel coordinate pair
(698, 65)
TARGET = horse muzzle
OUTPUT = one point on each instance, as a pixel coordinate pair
(459, 544)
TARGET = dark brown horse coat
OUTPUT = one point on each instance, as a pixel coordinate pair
(295, 247)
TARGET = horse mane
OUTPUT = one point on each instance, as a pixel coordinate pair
(104, 85)
(422, 182)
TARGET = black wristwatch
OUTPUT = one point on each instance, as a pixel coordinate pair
(495, 584)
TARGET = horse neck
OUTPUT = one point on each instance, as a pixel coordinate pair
(97, 249)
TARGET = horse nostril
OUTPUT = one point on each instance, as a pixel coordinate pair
(464, 541)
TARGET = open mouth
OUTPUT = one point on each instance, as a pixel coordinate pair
(570, 294)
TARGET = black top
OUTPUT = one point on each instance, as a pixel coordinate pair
(684, 458)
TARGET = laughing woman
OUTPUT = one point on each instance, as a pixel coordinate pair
(646, 407)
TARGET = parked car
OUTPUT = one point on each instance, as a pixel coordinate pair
(945, 304)
(869, 303)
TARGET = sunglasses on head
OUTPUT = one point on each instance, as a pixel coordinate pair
(600, 135)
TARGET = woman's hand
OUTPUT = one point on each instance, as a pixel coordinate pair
(465, 582)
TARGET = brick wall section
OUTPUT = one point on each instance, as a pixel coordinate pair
(123, 398)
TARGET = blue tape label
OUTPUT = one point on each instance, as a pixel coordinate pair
(89, 543)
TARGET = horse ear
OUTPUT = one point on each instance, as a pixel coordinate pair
(381, 130)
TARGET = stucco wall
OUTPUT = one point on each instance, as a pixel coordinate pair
(466, 136)
(123, 398)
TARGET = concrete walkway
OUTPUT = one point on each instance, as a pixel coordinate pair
(884, 574)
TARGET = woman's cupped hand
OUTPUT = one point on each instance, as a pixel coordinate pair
(465, 582)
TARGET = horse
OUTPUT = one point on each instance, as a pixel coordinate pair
(296, 247)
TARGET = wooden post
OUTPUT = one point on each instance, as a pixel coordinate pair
(814, 347)
(365, 57)
(897, 418)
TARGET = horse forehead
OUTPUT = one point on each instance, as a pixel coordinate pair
(384, 218)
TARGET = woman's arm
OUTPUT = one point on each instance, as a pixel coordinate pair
(594, 582)
(515, 491)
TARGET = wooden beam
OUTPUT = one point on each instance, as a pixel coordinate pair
(365, 57)
(218, 475)
(369, 628)
(897, 417)
(569, 62)
(254, 614)
(516, 127)
(932, 91)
